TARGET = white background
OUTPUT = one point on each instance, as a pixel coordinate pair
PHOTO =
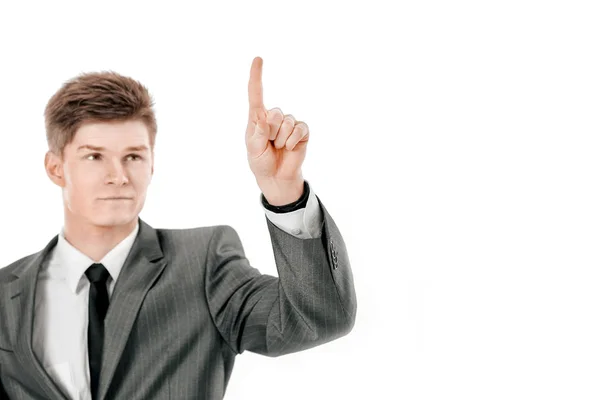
(456, 145)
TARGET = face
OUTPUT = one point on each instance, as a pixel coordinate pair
(105, 174)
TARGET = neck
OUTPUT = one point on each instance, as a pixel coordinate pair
(95, 241)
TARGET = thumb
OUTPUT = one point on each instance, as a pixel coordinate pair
(259, 140)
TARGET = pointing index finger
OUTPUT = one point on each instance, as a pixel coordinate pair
(255, 92)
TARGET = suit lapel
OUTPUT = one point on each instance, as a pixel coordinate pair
(142, 267)
(21, 307)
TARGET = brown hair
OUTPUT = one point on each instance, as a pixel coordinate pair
(93, 97)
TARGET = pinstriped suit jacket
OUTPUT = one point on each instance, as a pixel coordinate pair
(186, 303)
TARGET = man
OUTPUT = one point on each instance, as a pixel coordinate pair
(112, 308)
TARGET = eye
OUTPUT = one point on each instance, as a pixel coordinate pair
(137, 157)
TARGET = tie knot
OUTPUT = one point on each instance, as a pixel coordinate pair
(97, 273)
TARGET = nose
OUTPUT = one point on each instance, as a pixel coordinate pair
(117, 174)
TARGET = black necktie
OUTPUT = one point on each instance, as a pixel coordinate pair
(98, 304)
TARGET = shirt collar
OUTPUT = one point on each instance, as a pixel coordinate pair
(74, 263)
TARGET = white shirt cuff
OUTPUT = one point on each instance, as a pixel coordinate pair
(305, 223)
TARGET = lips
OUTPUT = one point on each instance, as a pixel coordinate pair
(117, 198)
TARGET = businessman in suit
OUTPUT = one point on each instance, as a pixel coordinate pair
(113, 308)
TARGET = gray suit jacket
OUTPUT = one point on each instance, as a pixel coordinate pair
(186, 303)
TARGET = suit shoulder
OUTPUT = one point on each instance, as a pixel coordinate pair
(184, 231)
(195, 234)
(199, 230)
(6, 271)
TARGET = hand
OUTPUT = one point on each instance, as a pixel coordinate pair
(276, 145)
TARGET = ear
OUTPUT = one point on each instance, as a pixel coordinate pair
(54, 169)
(152, 167)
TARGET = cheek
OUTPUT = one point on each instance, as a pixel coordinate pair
(81, 188)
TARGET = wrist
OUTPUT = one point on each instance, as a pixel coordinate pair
(282, 193)
(297, 205)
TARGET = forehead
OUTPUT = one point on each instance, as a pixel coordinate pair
(113, 135)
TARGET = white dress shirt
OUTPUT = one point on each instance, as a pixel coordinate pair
(61, 300)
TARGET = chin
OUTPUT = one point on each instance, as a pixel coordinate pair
(116, 219)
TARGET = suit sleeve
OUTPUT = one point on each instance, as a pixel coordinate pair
(311, 302)
(3, 395)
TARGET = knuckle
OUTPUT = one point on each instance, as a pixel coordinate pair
(275, 111)
(275, 116)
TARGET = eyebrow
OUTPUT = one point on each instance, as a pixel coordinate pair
(95, 148)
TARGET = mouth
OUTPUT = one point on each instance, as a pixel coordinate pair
(117, 198)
